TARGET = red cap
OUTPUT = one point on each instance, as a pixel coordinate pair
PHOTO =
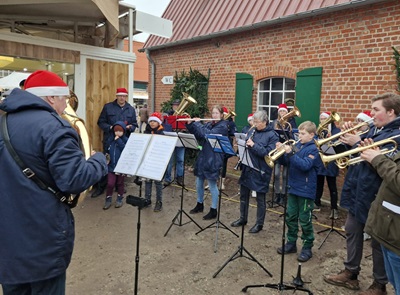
(325, 114)
(282, 106)
(250, 117)
(45, 83)
(156, 116)
(365, 116)
(225, 110)
(122, 91)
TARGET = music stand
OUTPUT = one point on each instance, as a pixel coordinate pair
(187, 141)
(281, 286)
(220, 144)
(331, 229)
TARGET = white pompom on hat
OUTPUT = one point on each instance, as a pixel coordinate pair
(45, 83)
(156, 116)
(365, 116)
(325, 114)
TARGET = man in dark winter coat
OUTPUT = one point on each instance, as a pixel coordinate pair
(359, 190)
(37, 228)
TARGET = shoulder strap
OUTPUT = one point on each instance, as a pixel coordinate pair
(28, 172)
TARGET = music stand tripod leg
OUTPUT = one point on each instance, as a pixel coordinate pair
(331, 229)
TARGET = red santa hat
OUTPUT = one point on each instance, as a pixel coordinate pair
(365, 116)
(45, 83)
(122, 91)
(225, 110)
(156, 116)
(250, 117)
(282, 107)
(325, 114)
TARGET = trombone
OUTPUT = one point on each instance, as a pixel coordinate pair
(275, 154)
(343, 159)
(321, 142)
(323, 126)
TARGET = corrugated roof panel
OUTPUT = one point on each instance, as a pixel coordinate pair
(195, 18)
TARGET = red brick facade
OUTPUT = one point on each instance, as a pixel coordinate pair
(354, 47)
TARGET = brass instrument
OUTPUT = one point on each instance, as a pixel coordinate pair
(323, 126)
(186, 102)
(229, 114)
(283, 121)
(343, 159)
(79, 125)
(275, 154)
(321, 142)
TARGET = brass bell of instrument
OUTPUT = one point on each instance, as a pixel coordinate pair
(229, 114)
(323, 126)
(186, 102)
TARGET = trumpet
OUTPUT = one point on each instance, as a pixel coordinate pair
(275, 154)
(321, 142)
(284, 120)
(323, 126)
(343, 159)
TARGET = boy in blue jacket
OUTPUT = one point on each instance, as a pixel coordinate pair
(115, 148)
(303, 160)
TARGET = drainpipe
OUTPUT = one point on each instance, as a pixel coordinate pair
(153, 75)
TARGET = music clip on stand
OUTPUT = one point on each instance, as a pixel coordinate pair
(239, 253)
(281, 286)
(177, 220)
(140, 203)
(331, 229)
(221, 145)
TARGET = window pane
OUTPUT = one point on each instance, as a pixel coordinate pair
(264, 98)
(277, 84)
(289, 84)
(276, 98)
(274, 113)
(264, 85)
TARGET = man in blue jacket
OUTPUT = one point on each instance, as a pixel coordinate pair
(37, 228)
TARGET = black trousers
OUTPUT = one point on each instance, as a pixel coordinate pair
(331, 180)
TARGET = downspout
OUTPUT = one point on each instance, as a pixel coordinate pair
(152, 79)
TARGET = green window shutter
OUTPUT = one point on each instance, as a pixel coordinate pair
(308, 94)
(243, 99)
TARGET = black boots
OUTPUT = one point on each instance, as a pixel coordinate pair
(198, 209)
(239, 222)
(210, 215)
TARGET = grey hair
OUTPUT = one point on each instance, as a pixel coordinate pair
(261, 116)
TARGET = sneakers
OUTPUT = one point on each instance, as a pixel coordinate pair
(107, 203)
(304, 255)
(158, 206)
(334, 214)
(210, 215)
(119, 202)
(375, 289)
(289, 248)
(344, 278)
(198, 209)
(317, 208)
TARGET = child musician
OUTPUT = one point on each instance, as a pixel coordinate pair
(303, 159)
(154, 126)
(259, 141)
(209, 163)
(114, 151)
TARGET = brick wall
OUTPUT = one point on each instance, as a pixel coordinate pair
(352, 46)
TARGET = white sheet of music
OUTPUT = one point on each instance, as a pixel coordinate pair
(244, 154)
(157, 156)
(132, 154)
(189, 140)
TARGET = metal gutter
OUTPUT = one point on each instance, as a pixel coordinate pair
(264, 24)
(152, 78)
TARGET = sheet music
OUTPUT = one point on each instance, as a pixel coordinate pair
(244, 154)
(189, 140)
(157, 156)
(169, 133)
(240, 136)
(132, 154)
(215, 144)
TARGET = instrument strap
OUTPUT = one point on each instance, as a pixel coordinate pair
(28, 172)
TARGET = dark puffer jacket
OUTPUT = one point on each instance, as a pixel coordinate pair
(36, 229)
(116, 147)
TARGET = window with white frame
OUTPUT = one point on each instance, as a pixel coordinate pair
(274, 91)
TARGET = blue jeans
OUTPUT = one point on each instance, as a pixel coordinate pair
(213, 189)
(392, 266)
(179, 157)
(53, 286)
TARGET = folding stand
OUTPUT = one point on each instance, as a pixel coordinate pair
(331, 229)
(177, 220)
(239, 253)
(272, 203)
(220, 144)
(281, 286)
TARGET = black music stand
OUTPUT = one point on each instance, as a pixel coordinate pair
(331, 229)
(220, 144)
(239, 253)
(188, 141)
(281, 286)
